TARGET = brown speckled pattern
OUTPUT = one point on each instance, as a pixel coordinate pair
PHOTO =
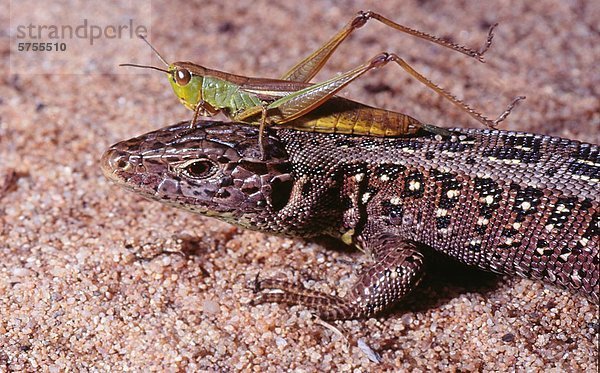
(508, 202)
(75, 295)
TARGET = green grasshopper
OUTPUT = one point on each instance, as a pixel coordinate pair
(292, 100)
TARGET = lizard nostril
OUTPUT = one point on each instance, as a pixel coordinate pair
(115, 160)
(121, 163)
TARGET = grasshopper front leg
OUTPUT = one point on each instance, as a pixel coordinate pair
(306, 69)
(204, 109)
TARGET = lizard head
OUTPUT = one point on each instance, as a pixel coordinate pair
(214, 169)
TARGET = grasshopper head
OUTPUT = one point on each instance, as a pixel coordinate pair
(185, 77)
(186, 85)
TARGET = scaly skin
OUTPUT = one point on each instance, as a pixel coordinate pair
(508, 202)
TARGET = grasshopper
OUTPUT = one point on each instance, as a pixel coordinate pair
(302, 105)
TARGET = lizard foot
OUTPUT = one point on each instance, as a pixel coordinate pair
(397, 271)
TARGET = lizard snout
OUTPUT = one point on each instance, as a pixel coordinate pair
(115, 161)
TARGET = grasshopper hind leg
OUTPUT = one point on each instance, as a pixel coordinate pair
(306, 69)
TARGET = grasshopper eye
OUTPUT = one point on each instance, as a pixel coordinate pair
(182, 76)
(198, 169)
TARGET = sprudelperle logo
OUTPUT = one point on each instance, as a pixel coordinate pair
(86, 30)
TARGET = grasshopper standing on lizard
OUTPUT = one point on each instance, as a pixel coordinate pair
(312, 107)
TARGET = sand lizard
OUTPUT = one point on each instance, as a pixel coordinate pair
(507, 202)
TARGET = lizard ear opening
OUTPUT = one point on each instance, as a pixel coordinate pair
(281, 191)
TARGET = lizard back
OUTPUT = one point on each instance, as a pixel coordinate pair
(509, 202)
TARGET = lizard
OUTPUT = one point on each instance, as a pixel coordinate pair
(513, 203)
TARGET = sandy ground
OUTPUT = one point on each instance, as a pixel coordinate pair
(83, 284)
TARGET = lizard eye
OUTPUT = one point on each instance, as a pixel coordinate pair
(182, 76)
(198, 169)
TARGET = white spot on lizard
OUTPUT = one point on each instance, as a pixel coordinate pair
(452, 193)
(489, 199)
(414, 185)
(525, 205)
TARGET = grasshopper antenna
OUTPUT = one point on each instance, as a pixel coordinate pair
(145, 67)
(153, 49)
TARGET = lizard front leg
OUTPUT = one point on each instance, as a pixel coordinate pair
(398, 269)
